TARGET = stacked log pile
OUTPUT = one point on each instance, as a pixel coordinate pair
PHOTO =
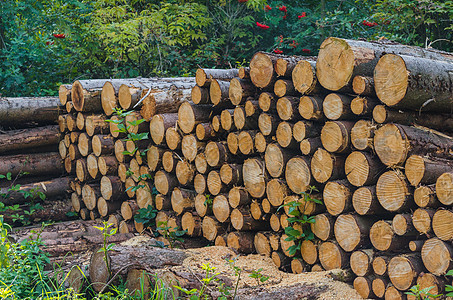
(29, 161)
(365, 123)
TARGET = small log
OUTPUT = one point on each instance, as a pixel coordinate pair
(284, 87)
(276, 159)
(326, 166)
(336, 136)
(261, 142)
(200, 95)
(201, 164)
(306, 129)
(164, 182)
(287, 108)
(221, 240)
(64, 93)
(244, 122)
(231, 174)
(416, 246)
(384, 238)
(352, 231)
(331, 256)
(192, 223)
(310, 145)
(221, 208)
(205, 132)
(262, 69)
(103, 145)
(267, 124)
(261, 243)
(199, 183)
(337, 197)
(436, 256)
(255, 177)
(360, 262)
(304, 77)
(239, 90)
(201, 205)
(30, 138)
(337, 107)
(182, 200)
(362, 168)
(20, 112)
(212, 228)
(173, 138)
(226, 120)
(403, 271)
(159, 125)
(423, 170)
(233, 143)
(425, 196)
(442, 224)
(246, 142)
(219, 92)
(106, 208)
(112, 188)
(362, 135)
(185, 172)
(276, 191)
(214, 183)
(163, 202)
(363, 85)
(189, 115)
(421, 219)
(309, 252)
(394, 192)
(402, 224)
(244, 73)
(284, 135)
(241, 241)
(363, 286)
(268, 102)
(310, 108)
(323, 227)
(82, 170)
(190, 147)
(204, 77)
(92, 166)
(143, 195)
(363, 106)
(251, 108)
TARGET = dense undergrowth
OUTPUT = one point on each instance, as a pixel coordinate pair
(48, 42)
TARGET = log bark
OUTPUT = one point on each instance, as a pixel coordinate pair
(284, 66)
(414, 83)
(205, 132)
(30, 138)
(86, 95)
(32, 164)
(306, 129)
(402, 224)
(23, 112)
(359, 58)
(204, 77)
(437, 121)
(145, 257)
(112, 188)
(284, 87)
(107, 165)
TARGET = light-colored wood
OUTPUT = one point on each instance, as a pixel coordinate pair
(352, 231)
(363, 286)
(205, 132)
(421, 218)
(337, 107)
(226, 120)
(190, 147)
(384, 238)
(201, 164)
(331, 256)
(182, 200)
(304, 77)
(310, 108)
(211, 228)
(360, 262)
(239, 90)
(216, 154)
(164, 182)
(403, 271)
(402, 224)
(425, 196)
(310, 145)
(204, 77)
(159, 124)
(337, 197)
(199, 183)
(268, 102)
(185, 172)
(154, 158)
(276, 159)
(238, 196)
(276, 191)
(189, 115)
(267, 124)
(221, 208)
(437, 256)
(219, 92)
(323, 227)
(246, 142)
(362, 168)
(394, 192)
(336, 136)
(442, 224)
(363, 85)
(309, 252)
(261, 243)
(362, 135)
(215, 184)
(173, 138)
(297, 265)
(287, 108)
(380, 265)
(326, 166)
(192, 223)
(231, 174)
(284, 135)
(262, 69)
(365, 202)
(424, 170)
(241, 241)
(444, 188)
(305, 129)
(255, 177)
(297, 174)
(363, 106)
(201, 205)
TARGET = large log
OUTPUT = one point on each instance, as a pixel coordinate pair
(262, 69)
(394, 143)
(352, 231)
(337, 197)
(437, 256)
(360, 262)
(403, 271)
(239, 90)
(204, 77)
(275, 159)
(339, 60)
(52, 189)
(337, 107)
(21, 112)
(255, 177)
(442, 224)
(304, 77)
(219, 93)
(326, 166)
(414, 83)
(332, 256)
(362, 168)
(86, 95)
(362, 135)
(121, 258)
(336, 136)
(30, 138)
(394, 192)
(298, 175)
(189, 115)
(384, 238)
(32, 164)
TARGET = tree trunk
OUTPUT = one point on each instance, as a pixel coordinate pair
(185, 172)
(285, 137)
(243, 121)
(398, 84)
(164, 182)
(23, 112)
(421, 218)
(32, 164)
(121, 258)
(284, 66)
(173, 138)
(402, 224)
(251, 108)
(287, 108)
(112, 188)
(212, 228)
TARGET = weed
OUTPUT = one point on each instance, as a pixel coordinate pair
(106, 247)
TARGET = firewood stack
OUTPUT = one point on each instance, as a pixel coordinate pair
(107, 167)
(366, 123)
(29, 160)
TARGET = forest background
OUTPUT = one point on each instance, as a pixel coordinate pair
(44, 43)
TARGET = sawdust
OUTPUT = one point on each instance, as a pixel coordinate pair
(218, 257)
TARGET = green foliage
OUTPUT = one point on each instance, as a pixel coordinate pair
(422, 294)
(106, 247)
(300, 228)
(198, 294)
(172, 234)
(260, 278)
(146, 216)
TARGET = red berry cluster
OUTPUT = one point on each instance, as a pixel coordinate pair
(369, 24)
(59, 35)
